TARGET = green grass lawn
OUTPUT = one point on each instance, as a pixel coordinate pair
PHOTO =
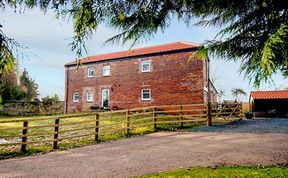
(112, 126)
(139, 124)
(226, 172)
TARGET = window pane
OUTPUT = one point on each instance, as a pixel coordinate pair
(76, 97)
(146, 94)
(90, 72)
(106, 70)
(146, 91)
(89, 96)
(145, 66)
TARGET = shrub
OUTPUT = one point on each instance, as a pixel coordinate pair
(115, 108)
(248, 114)
(95, 107)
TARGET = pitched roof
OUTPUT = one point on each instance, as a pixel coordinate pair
(139, 52)
(277, 94)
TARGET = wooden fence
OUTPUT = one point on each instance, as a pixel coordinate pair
(52, 131)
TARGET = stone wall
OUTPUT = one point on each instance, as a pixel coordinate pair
(173, 79)
(32, 108)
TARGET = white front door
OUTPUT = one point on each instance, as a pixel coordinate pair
(105, 98)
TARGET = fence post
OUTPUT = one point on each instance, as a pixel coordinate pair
(56, 129)
(127, 122)
(97, 127)
(181, 115)
(24, 137)
(209, 117)
(154, 118)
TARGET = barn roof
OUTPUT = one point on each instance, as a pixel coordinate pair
(277, 94)
(176, 46)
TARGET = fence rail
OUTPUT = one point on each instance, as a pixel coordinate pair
(51, 131)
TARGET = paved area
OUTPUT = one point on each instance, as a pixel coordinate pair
(154, 152)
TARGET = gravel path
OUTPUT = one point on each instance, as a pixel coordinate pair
(259, 125)
(154, 152)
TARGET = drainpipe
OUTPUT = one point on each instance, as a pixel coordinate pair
(66, 90)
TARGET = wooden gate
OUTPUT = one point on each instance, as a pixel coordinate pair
(227, 111)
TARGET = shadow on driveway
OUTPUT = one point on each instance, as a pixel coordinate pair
(258, 125)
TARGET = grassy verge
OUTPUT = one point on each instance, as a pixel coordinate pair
(233, 172)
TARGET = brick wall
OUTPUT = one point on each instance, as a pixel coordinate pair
(174, 79)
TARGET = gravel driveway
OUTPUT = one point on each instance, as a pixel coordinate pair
(155, 152)
(258, 125)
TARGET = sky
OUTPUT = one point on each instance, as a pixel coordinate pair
(47, 40)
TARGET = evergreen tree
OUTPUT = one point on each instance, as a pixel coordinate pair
(255, 32)
(29, 86)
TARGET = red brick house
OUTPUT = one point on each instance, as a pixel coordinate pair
(156, 75)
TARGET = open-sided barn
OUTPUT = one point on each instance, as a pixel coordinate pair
(269, 103)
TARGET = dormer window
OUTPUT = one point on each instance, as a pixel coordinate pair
(106, 70)
(90, 72)
(145, 66)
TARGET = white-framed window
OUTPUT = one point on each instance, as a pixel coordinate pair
(90, 72)
(89, 96)
(145, 94)
(75, 97)
(145, 66)
(106, 70)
